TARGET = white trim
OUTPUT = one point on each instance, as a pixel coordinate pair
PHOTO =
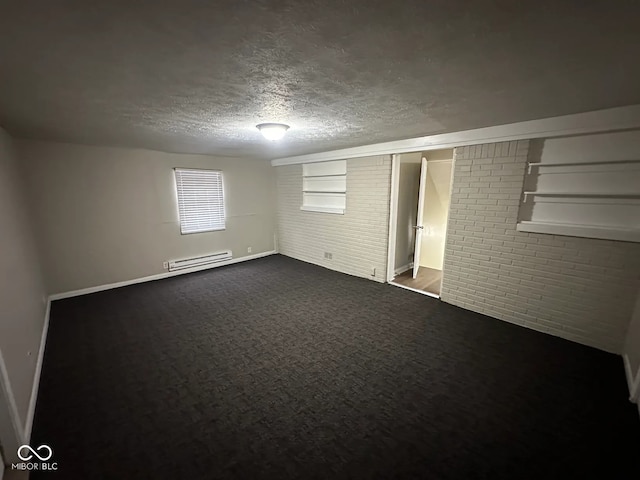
(621, 118)
(36, 377)
(448, 160)
(633, 383)
(100, 288)
(446, 224)
(428, 294)
(393, 216)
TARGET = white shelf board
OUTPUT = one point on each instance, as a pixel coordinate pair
(580, 164)
(338, 211)
(585, 194)
(322, 175)
(325, 191)
(588, 231)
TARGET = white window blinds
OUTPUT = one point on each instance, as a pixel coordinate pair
(200, 200)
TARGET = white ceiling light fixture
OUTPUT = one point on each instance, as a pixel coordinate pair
(273, 131)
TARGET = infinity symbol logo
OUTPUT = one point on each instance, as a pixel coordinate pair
(46, 455)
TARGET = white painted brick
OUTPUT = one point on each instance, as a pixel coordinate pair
(577, 288)
(358, 239)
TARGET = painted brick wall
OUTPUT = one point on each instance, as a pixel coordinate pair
(576, 288)
(358, 239)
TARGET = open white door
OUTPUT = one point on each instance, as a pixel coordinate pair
(419, 227)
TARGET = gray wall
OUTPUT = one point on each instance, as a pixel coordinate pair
(358, 239)
(22, 292)
(581, 289)
(110, 214)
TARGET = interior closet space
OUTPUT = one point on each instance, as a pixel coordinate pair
(423, 189)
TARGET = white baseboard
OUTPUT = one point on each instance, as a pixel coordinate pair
(36, 377)
(633, 383)
(159, 276)
(403, 268)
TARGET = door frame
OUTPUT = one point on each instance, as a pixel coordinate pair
(11, 432)
(446, 222)
(393, 217)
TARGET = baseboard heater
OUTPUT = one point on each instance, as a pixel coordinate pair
(200, 261)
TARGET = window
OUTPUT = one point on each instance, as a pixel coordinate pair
(200, 200)
(324, 187)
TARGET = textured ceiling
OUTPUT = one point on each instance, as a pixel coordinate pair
(197, 76)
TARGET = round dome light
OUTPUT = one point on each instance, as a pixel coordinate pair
(273, 131)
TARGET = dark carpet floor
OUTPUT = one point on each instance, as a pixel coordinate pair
(279, 369)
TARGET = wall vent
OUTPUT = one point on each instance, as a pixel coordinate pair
(200, 261)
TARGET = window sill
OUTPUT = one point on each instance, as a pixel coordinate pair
(204, 231)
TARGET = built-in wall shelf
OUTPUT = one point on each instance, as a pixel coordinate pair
(591, 231)
(324, 187)
(584, 186)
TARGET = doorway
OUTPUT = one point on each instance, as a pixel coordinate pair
(421, 194)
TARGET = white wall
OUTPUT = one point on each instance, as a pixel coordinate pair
(434, 218)
(110, 214)
(632, 348)
(22, 297)
(408, 185)
(358, 239)
(581, 289)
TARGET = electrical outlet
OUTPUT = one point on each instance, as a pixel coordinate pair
(328, 255)
(165, 265)
(248, 249)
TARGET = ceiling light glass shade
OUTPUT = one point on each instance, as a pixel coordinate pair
(273, 131)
